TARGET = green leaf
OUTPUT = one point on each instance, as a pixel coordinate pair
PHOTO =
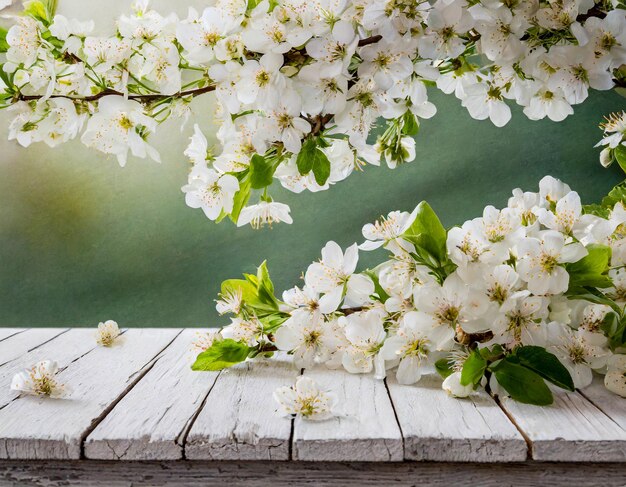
(493, 353)
(597, 210)
(410, 126)
(378, 289)
(234, 286)
(261, 172)
(620, 156)
(545, 364)
(522, 384)
(265, 287)
(311, 158)
(617, 194)
(241, 199)
(305, 157)
(615, 329)
(222, 354)
(473, 369)
(444, 367)
(274, 321)
(592, 270)
(321, 167)
(42, 10)
(427, 232)
(4, 46)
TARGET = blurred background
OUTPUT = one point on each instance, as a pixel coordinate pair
(83, 240)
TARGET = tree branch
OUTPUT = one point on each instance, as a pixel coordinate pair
(139, 98)
(370, 40)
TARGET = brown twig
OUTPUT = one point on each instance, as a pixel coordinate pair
(370, 40)
(140, 98)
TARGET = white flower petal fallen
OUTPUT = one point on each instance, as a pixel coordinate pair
(39, 380)
(107, 333)
(306, 400)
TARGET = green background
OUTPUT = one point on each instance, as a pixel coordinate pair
(83, 240)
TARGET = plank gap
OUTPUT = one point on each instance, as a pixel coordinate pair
(182, 440)
(140, 374)
(293, 428)
(529, 443)
(593, 403)
(17, 332)
(47, 341)
(395, 414)
(55, 333)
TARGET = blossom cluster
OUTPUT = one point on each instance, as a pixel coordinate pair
(300, 84)
(533, 291)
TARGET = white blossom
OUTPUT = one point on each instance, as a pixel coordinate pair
(107, 333)
(39, 380)
(306, 400)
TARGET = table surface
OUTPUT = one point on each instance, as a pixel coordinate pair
(139, 400)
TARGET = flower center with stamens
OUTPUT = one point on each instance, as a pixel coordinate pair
(577, 353)
(262, 78)
(211, 38)
(447, 33)
(448, 314)
(312, 338)
(497, 293)
(418, 348)
(284, 120)
(125, 122)
(548, 263)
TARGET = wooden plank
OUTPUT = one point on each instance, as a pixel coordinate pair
(63, 348)
(609, 403)
(239, 420)
(572, 429)
(88, 473)
(43, 428)
(150, 422)
(437, 427)
(8, 332)
(20, 343)
(364, 428)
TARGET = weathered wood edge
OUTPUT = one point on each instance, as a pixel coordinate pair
(137, 428)
(238, 423)
(70, 446)
(437, 427)
(282, 474)
(362, 431)
(573, 429)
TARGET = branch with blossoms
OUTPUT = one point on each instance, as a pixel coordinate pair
(530, 294)
(299, 85)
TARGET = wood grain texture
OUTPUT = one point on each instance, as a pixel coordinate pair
(63, 348)
(239, 419)
(364, 427)
(88, 473)
(8, 332)
(150, 422)
(20, 343)
(45, 428)
(609, 403)
(572, 429)
(437, 427)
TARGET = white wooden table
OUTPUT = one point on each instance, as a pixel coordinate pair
(138, 415)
